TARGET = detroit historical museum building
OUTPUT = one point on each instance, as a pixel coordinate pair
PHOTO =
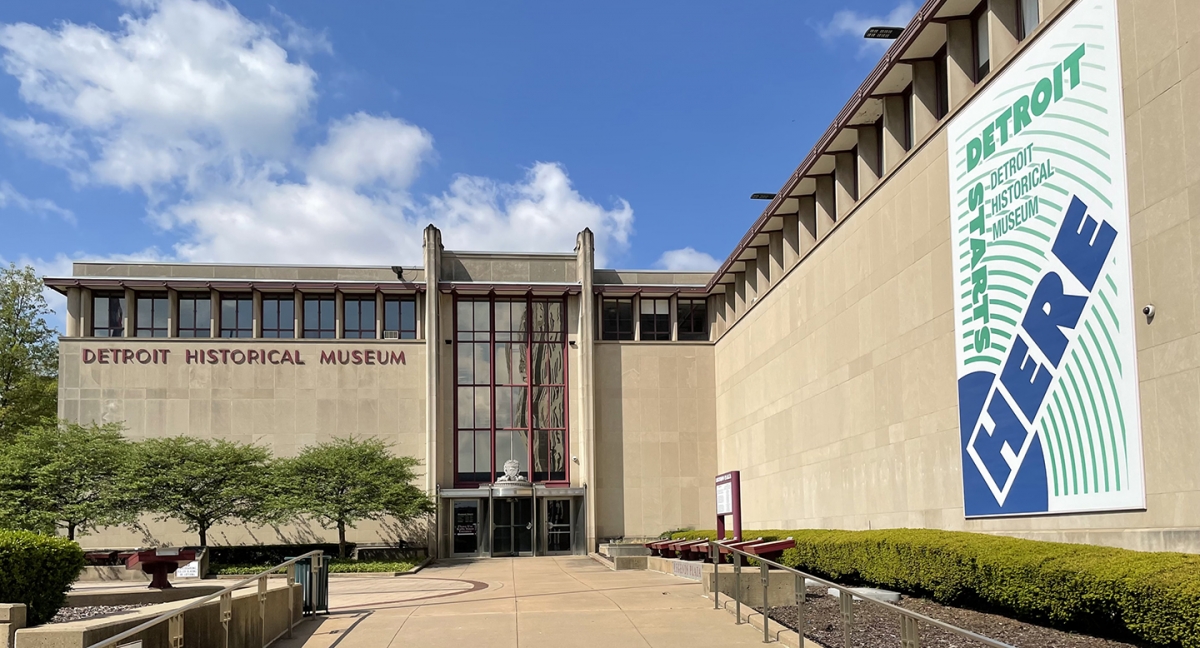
(974, 305)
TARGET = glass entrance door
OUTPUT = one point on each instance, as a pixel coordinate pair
(558, 527)
(466, 528)
(512, 534)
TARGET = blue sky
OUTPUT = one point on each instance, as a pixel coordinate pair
(317, 132)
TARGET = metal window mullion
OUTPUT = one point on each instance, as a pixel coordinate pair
(531, 429)
(454, 396)
(491, 377)
(566, 400)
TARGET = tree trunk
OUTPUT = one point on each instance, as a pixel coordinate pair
(70, 531)
(341, 539)
(203, 536)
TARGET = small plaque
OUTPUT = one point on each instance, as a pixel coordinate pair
(190, 570)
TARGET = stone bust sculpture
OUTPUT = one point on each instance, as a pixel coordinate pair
(512, 472)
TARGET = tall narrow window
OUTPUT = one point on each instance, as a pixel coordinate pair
(655, 318)
(907, 138)
(195, 315)
(400, 317)
(360, 317)
(878, 126)
(319, 317)
(547, 354)
(941, 62)
(237, 316)
(473, 391)
(979, 30)
(692, 316)
(616, 319)
(108, 314)
(279, 316)
(150, 318)
(1028, 18)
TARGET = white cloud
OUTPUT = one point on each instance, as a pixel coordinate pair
(317, 221)
(363, 149)
(298, 38)
(10, 197)
(192, 95)
(188, 87)
(852, 24)
(687, 259)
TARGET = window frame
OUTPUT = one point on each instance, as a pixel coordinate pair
(941, 67)
(310, 326)
(690, 335)
(1024, 30)
(531, 338)
(402, 332)
(273, 302)
(658, 336)
(234, 331)
(119, 329)
(194, 329)
(157, 301)
(980, 40)
(359, 301)
(618, 334)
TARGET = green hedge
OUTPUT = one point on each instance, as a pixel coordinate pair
(269, 555)
(37, 570)
(336, 566)
(1154, 596)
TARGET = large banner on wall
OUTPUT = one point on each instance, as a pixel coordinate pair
(1047, 364)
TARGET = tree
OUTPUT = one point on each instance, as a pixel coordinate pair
(28, 353)
(65, 476)
(344, 481)
(202, 482)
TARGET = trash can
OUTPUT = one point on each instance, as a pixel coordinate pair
(313, 574)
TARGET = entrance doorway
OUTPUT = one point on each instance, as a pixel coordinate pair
(559, 538)
(512, 532)
(466, 528)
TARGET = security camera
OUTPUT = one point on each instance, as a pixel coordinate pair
(574, 458)
(1148, 311)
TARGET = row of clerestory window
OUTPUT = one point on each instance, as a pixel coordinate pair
(653, 319)
(235, 316)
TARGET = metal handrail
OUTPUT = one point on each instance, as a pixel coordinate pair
(908, 618)
(227, 592)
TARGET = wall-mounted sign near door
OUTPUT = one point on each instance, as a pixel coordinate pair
(729, 502)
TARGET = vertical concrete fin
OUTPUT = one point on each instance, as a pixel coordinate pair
(585, 265)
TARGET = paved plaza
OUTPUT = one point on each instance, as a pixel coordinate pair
(525, 603)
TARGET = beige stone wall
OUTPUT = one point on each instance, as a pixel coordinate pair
(282, 407)
(836, 392)
(655, 432)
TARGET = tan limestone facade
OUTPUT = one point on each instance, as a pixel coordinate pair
(822, 360)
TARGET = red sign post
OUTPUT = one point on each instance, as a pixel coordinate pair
(729, 502)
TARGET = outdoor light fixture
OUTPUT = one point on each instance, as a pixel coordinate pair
(399, 272)
(885, 33)
(762, 196)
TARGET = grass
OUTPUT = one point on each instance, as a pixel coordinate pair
(336, 566)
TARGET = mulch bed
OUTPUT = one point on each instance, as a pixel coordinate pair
(90, 612)
(875, 626)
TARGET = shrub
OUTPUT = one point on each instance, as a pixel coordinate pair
(1153, 596)
(37, 570)
(266, 555)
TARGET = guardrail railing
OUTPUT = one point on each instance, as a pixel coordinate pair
(909, 630)
(314, 595)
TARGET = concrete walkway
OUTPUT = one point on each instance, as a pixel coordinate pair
(521, 603)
